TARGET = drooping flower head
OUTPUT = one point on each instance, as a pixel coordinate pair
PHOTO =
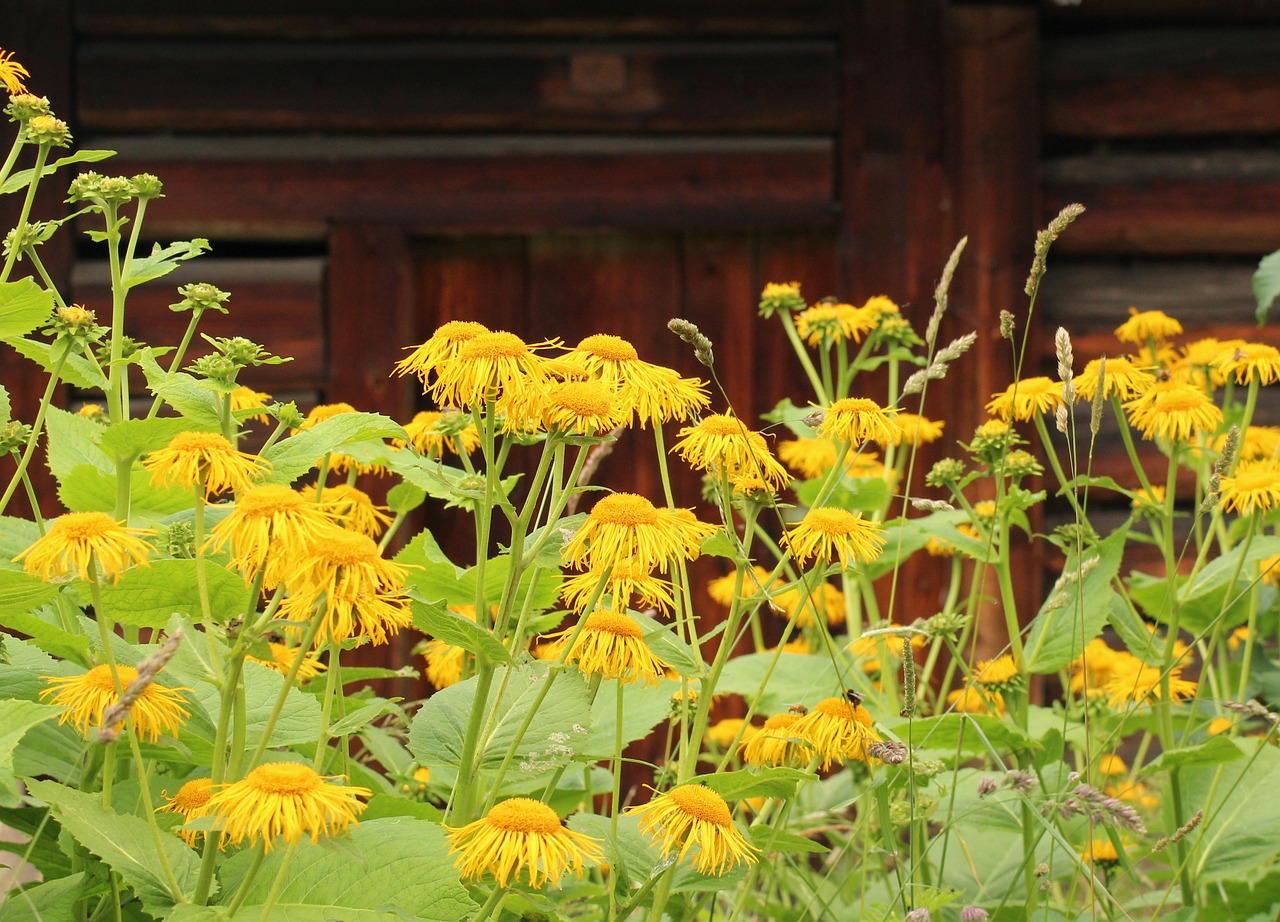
(856, 420)
(625, 526)
(625, 583)
(442, 347)
(1135, 681)
(917, 430)
(495, 365)
(837, 729)
(1145, 326)
(825, 599)
(521, 840)
(205, 459)
(191, 802)
(611, 644)
(12, 73)
(654, 393)
(246, 398)
(1255, 487)
(721, 443)
(1026, 399)
(693, 815)
(834, 323)
(828, 533)
(776, 744)
(1173, 411)
(809, 458)
(1250, 362)
(271, 526)
(285, 801)
(1123, 379)
(433, 432)
(157, 710)
(780, 296)
(586, 407)
(283, 657)
(353, 509)
(79, 539)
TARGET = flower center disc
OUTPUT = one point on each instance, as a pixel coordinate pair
(719, 424)
(830, 521)
(499, 345)
(701, 803)
(285, 778)
(99, 678)
(78, 525)
(193, 794)
(199, 441)
(613, 623)
(345, 549)
(270, 499)
(522, 814)
(583, 398)
(610, 348)
(625, 509)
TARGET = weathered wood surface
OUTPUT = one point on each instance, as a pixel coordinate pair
(1113, 13)
(278, 189)
(425, 86)
(1148, 83)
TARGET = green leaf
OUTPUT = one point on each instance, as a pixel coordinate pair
(87, 489)
(16, 718)
(51, 901)
(791, 416)
(1213, 751)
(401, 863)
(903, 537)
(1266, 285)
(357, 719)
(183, 392)
(281, 912)
(977, 733)
(1133, 633)
(22, 178)
(77, 371)
(33, 618)
(457, 631)
(776, 782)
(1237, 840)
(75, 440)
(558, 728)
(669, 648)
(136, 437)
(162, 261)
(773, 841)
(124, 843)
(16, 535)
(292, 457)
(19, 593)
(643, 709)
(150, 596)
(856, 494)
(797, 679)
(405, 497)
(6, 406)
(297, 722)
(24, 305)
(1076, 610)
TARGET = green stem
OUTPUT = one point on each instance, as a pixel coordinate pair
(21, 227)
(36, 428)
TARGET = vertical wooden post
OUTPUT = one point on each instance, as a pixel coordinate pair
(995, 125)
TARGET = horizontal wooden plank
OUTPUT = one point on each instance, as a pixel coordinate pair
(1093, 297)
(292, 189)
(276, 303)
(1202, 203)
(1150, 83)
(1058, 15)
(270, 86)
(398, 18)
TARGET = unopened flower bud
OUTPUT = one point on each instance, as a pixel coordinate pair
(45, 129)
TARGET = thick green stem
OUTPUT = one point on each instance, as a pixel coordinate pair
(42, 154)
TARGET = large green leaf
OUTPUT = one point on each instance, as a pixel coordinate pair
(776, 782)
(22, 178)
(796, 679)
(124, 843)
(16, 718)
(150, 596)
(1266, 285)
(24, 305)
(39, 622)
(457, 631)
(903, 537)
(6, 406)
(87, 489)
(136, 437)
(1077, 610)
(16, 535)
(643, 709)
(403, 864)
(75, 440)
(262, 685)
(558, 728)
(974, 733)
(21, 593)
(1213, 751)
(51, 901)
(163, 260)
(77, 371)
(1238, 839)
(292, 457)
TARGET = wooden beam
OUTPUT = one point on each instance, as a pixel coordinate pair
(786, 86)
(274, 188)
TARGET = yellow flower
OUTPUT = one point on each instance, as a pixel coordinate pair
(827, 532)
(1111, 764)
(93, 411)
(776, 744)
(724, 732)
(1260, 443)
(1145, 500)
(1250, 362)
(1173, 411)
(1101, 852)
(246, 398)
(283, 656)
(433, 433)
(656, 394)
(857, 419)
(721, 442)
(192, 802)
(837, 729)
(578, 408)
(1240, 636)
(1255, 487)
(1219, 725)
(1095, 667)
(352, 508)
(625, 526)
(867, 649)
(1135, 793)
(809, 458)
(12, 73)
(834, 323)
(882, 306)
(1147, 325)
(611, 644)
(825, 599)
(78, 540)
(362, 593)
(521, 838)
(158, 709)
(1139, 683)
(1026, 399)
(690, 816)
(445, 661)
(919, 430)
(974, 699)
(285, 800)
(271, 526)
(625, 582)
(999, 671)
(1197, 364)
(1270, 569)
(491, 366)
(780, 296)
(442, 347)
(206, 460)
(1124, 379)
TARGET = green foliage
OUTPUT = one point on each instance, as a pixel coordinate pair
(150, 596)
(1266, 285)
(24, 305)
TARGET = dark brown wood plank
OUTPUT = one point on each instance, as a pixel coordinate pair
(1058, 15)
(276, 303)
(397, 18)
(272, 86)
(1212, 202)
(720, 296)
(1152, 83)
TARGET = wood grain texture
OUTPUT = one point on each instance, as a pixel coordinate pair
(293, 190)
